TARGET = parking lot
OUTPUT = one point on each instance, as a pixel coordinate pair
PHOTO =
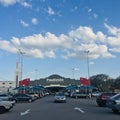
(46, 109)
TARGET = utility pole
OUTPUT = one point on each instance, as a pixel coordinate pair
(18, 76)
(87, 56)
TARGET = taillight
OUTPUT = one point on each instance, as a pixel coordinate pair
(104, 97)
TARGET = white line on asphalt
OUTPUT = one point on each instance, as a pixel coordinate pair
(26, 112)
(79, 109)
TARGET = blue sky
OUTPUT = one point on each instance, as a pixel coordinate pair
(55, 35)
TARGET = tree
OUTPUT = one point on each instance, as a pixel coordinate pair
(102, 81)
(116, 84)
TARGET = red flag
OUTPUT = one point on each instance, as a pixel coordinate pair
(25, 82)
(84, 81)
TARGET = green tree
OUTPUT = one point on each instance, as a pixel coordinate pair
(116, 84)
(102, 81)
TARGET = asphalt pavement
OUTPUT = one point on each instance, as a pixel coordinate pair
(46, 109)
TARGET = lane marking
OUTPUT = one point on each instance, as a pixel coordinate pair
(79, 109)
(26, 112)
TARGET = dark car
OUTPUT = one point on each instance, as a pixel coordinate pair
(103, 97)
(114, 103)
(22, 97)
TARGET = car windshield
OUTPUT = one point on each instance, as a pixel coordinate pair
(116, 97)
(60, 94)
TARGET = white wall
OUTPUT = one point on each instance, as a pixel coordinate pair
(6, 86)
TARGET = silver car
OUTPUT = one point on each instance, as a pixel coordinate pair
(60, 97)
(5, 106)
(114, 103)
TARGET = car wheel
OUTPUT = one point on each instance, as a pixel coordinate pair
(15, 101)
(30, 100)
(115, 111)
(2, 109)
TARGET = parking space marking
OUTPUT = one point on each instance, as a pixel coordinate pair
(26, 112)
(79, 109)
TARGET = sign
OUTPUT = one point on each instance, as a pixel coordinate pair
(25, 82)
(55, 80)
(84, 82)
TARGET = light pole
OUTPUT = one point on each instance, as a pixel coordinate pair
(87, 55)
(73, 73)
(19, 67)
(36, 70)
(74, 69)
(88, 76)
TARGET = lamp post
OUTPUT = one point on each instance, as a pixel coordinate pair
(74, 69)
(36, 70)
(19, 67)
(87, 56)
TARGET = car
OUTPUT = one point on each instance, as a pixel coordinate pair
(96, 94)
(22, 98)
(102, 98)
(114, 103)
(60, 97)
(36, 96)
(5, 106)
(5, 96)
(79, 95)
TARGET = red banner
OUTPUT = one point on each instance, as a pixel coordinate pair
(25, 82)
(84, 81)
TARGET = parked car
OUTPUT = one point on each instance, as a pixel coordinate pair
(22, 97)
(79, 95)
(36, 96)
(96, 94)
(114, 103)
(60, 97)
(103, 97)
(5, 106)
(5, 96)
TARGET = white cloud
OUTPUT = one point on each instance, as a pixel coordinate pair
(72, 45)
(95, 15)
(7, 46)
(25, 4)
(50, 11)
(8, 2)
(12, 2)
(23, 23)
(89, 10)
(34, 21)
(85, 34)
(114, 38)
(74, 9)
(116, 49)
(112, 30)
(15, 41)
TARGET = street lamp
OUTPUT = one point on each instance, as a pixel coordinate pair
(19, 67)
(74, 69)
(73, 73)
(36, 70)
(88, 71)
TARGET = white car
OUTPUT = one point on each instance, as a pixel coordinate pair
(96, 94)
(60, 97)
(114, 103)
(5, 106)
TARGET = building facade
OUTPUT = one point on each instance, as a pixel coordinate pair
(7, 86)
(54, 80)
